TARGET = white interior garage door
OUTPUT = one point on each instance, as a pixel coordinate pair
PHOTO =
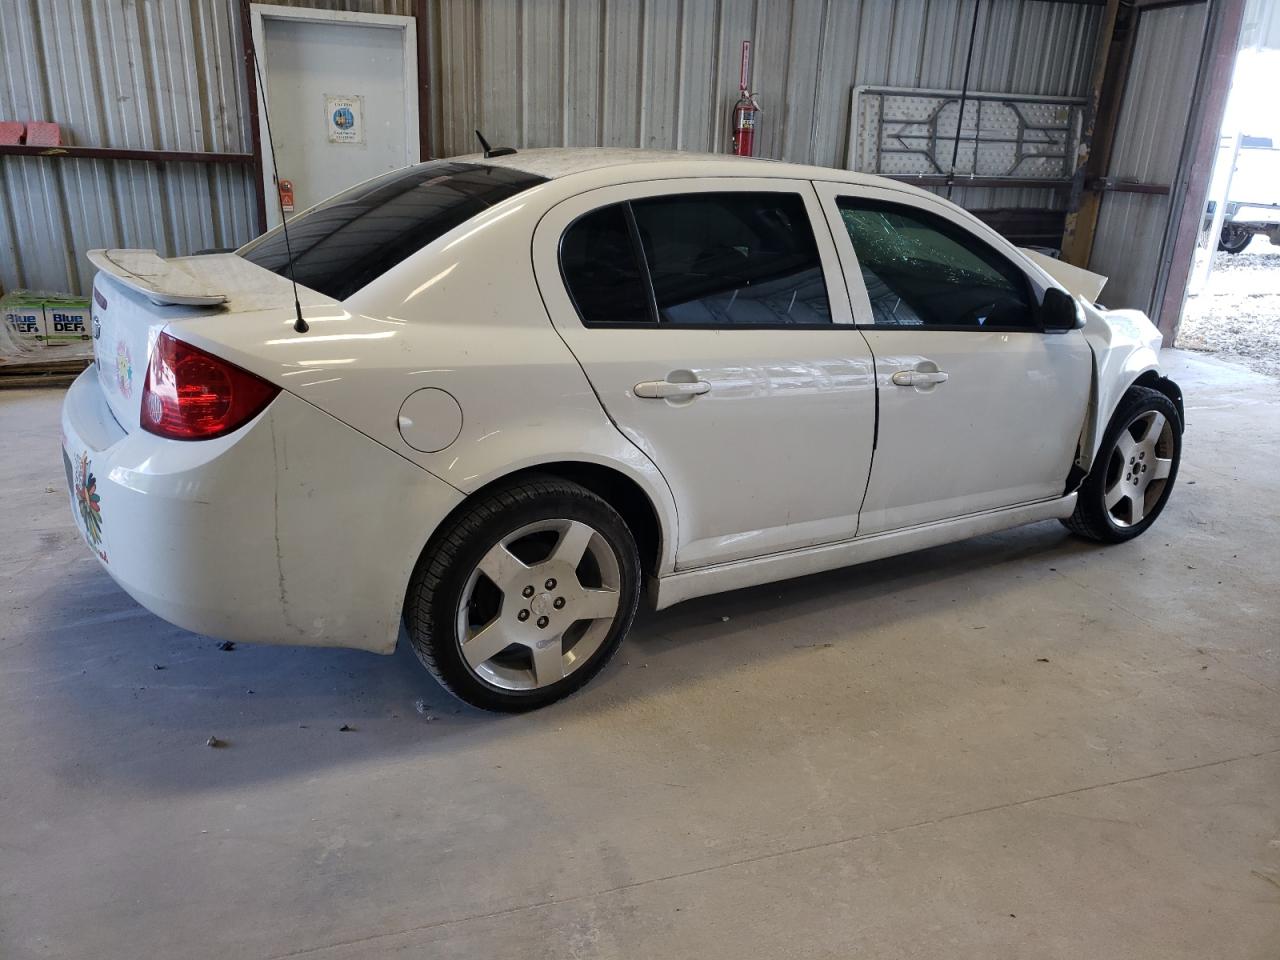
(341, 107)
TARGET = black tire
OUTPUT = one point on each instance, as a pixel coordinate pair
(1234, 239)
(1091, 519)
(442, 574)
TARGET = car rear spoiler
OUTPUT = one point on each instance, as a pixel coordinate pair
(163, 282)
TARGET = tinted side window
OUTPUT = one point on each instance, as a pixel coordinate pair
(732, 259)
(923, 271)
(602, 270)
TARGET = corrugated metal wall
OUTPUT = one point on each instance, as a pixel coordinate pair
(1148, 146)
(168, 74)
(664, 73)
(147, 74)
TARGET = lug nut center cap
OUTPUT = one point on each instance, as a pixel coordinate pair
(543, 604)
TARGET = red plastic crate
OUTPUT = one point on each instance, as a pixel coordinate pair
(11, 132)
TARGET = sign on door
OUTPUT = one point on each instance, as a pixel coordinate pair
(345, 118)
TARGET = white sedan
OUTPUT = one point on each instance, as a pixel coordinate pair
(518, 389)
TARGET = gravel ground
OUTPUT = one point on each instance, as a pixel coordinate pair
(1237, 315)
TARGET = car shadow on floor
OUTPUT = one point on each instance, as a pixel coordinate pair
(127, 701)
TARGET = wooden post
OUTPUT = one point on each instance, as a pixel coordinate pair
(251, 92)
(1082, 207)
(422, 24)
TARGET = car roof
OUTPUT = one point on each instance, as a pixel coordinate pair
(557, 162)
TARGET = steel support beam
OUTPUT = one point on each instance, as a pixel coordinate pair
(74, 152)
(1191, 187)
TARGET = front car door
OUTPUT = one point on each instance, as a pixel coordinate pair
(712, 320)
(979, 407)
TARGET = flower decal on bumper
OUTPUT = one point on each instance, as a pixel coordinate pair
(87, 499)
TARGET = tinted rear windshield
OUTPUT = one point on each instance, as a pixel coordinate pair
(352, 239)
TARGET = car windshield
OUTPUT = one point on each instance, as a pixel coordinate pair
(353, 238)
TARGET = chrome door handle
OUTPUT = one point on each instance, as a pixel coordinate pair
(668, 389)
(918, 378)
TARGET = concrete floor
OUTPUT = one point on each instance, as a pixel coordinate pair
(1018, 746)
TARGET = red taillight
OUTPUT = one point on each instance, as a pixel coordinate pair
(193, 395)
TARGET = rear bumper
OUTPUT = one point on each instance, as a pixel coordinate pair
(295, 529)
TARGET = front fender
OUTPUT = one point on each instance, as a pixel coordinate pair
(1125, 346)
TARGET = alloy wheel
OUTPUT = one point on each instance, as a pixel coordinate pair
(1138, 468)
(539, 603)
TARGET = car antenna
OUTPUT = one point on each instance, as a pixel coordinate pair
(493, 151)
(299, 324)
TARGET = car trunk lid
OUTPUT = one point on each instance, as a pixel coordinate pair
(137, 293)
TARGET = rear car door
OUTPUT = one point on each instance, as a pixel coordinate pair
(980, 408)
(712, 320)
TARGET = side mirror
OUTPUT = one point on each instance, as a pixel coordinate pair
(1059, 312)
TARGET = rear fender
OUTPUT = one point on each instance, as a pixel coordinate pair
(446, 320)
(575, 442)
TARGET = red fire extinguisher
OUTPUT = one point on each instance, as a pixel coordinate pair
(746, 114)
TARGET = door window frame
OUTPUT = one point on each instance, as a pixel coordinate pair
(590, 201)
(831, 192)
